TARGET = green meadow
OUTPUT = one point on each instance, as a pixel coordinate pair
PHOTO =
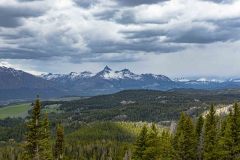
(18, 110)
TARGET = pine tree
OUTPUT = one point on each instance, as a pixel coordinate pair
(152, 144)
(229, 142)
(46, 148)
(59, 145)
(210, 136)
(199, 135)
(185, 139)
(199, 127)
(236, 131)
(141, 144)
(33, 135)
(225, 143)
(166, 148)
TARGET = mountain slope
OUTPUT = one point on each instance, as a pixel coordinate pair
(17, 84)
(14, 79)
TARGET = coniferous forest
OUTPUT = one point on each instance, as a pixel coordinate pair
(209, 136)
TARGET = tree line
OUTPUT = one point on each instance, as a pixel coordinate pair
(208, 138)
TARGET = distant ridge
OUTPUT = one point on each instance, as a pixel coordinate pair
(16, 84)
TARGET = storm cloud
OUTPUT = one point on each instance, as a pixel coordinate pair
(110, 31)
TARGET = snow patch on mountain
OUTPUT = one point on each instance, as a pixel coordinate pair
(108, 74)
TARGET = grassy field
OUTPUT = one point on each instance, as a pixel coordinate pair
(19, 110)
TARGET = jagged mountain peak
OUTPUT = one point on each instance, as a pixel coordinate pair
(106, 68)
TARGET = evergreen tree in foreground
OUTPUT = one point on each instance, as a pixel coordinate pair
(199, 134)
(210, 136)
(141, 144)
(166, 148)
(46, 150)
(185, 139)
(59, 145)
(229, 143)
(152, 144)
(236, 131)
(37, 137)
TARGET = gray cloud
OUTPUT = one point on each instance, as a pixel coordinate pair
(138, 2)
(202, 35)
(220, 1)
(92, 31)
(11, 15)
(86, 3)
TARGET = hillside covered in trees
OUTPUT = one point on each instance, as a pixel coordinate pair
(143, 105)
(210, 137)
(134, 124)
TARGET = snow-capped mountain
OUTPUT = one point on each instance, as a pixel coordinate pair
(65, 77)
(200, 80)
(108, 79)
(17, 83)
(107, 74)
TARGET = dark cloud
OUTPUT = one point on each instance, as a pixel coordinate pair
(220, 1)
(106, 15)
(142, 45)
(147, 33)
(86, 3)
(11, 15)
(138, 2)
(201, 35)
(9, 21)
(126, 18)
(226, 30)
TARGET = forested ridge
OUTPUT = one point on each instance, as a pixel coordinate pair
(207, 138)
(143, 105)
(188, 136)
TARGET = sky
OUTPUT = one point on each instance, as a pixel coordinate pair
(177, 38)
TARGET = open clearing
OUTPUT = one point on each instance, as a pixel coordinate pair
(18, 110)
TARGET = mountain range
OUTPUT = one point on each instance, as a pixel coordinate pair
(17, 84)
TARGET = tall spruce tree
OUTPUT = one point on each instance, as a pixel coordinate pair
(199, 127)
(35, 145)
(225, 142)
(229, 142)
(152, 144)
(236, 131)
(166, 148)
(59, 144)
(141, 144)
(46, 148)
(210, 135)
(185, 139)
(199, 134)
